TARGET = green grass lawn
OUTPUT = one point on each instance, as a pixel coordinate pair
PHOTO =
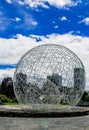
(11, 103)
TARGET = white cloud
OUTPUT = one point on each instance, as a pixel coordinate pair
(60, 3)
(35, 3)
(57, 3)
(86, 21)
(27, 21)
(56, 26)
(34, 23)
(20, 2)
(9, 1)
(12, 49)
(6, 73)
(17, 19)
(63, 18)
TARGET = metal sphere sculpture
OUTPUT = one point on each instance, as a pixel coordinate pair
(49, 74)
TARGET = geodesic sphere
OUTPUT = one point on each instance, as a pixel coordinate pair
(50, 74)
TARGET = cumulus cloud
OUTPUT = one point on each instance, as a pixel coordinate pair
(26, 20)
(6, 73)
(85, 21)
(36, 3)
(56, 3)
(34, 23)
(9, 1)
(63, 18)
(11, 50)
(60, 3)
(56, 26)
(17, 19)
(20, 2)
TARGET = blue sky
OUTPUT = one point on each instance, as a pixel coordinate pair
(28, 23)
(22, 19)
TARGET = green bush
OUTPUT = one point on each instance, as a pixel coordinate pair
(87, 98)
(4, 98)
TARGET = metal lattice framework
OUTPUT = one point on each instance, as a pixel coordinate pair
(50, 74)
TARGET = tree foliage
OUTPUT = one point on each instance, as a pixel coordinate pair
(4, 98)
(7, 88)
(87, 98)
(84, 96)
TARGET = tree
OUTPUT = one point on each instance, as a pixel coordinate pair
(84, 96)
(1, 90)
(87, 98)
(7, 87)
